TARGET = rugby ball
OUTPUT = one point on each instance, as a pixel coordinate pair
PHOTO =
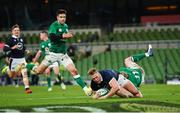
(102, 92)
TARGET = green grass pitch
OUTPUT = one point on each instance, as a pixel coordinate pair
(157, 98)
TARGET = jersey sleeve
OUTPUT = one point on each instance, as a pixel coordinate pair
(94, 86)
(9, 42)
(67, 28)
(52, 29)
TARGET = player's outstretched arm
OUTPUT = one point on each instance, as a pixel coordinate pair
(38, 54)
(114, 88)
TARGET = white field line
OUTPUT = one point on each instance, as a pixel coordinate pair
(47, 109)
(91, 109)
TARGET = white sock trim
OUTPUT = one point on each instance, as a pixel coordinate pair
(76, 76)
(26, 87)
(85, 88)
(146, 54)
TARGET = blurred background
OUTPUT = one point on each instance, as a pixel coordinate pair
(105, 32)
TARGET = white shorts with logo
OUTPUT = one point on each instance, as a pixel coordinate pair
(61, 58)
(16, 61)
(122, 80)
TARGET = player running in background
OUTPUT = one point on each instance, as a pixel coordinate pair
(44, 50)
(125, 82)
(58, 35)
(15, 49)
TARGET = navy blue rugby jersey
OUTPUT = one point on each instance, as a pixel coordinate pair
(18, 52)
(107, 75)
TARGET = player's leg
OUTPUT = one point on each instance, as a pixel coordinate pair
(22, 71)
(48, 60)
(24, 74)
(48, 74)
(26, 80)
(69, 65)
(58, 75)
(122, 92)
(11, 74)
(36, 68)
(130, 61)
(10, 71)
(129, 86)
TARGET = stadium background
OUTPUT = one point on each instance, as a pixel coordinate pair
(105, 32)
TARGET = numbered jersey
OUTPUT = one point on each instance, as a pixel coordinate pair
(59, 45)
(45, 45)
(134, 75)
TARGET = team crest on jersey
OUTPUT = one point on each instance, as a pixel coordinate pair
(20, 46)
(21, 40)
(60, 30)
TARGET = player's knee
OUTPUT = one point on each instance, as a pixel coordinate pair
(11, 74)
(126, 60)
(38, 72)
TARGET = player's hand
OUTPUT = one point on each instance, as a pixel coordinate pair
(67, 35)
(96, 95)
(103, 97)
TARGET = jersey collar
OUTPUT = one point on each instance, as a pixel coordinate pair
(14, 36)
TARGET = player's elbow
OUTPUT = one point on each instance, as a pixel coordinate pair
(54, 37)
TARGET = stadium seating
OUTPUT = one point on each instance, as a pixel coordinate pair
(129, 35)
(154, 66)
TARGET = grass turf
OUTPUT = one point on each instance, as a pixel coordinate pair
(161, 98)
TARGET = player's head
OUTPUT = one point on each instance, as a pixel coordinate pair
(15, 29)
(95, 75)
(61, 16)
(43, 35)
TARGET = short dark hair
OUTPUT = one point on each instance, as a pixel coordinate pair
(44, 32)
(92, 71)
(60, 11)
(15, 26)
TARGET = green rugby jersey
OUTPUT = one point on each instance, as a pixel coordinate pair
(45, 45)
(59, 45)
(134, 75)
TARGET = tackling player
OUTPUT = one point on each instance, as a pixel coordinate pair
(15, 49)
(125, 82)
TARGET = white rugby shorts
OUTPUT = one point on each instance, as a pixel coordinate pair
(63, 59)
(16, 61)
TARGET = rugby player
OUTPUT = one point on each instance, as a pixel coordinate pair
(44, 50)
(15, 50)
